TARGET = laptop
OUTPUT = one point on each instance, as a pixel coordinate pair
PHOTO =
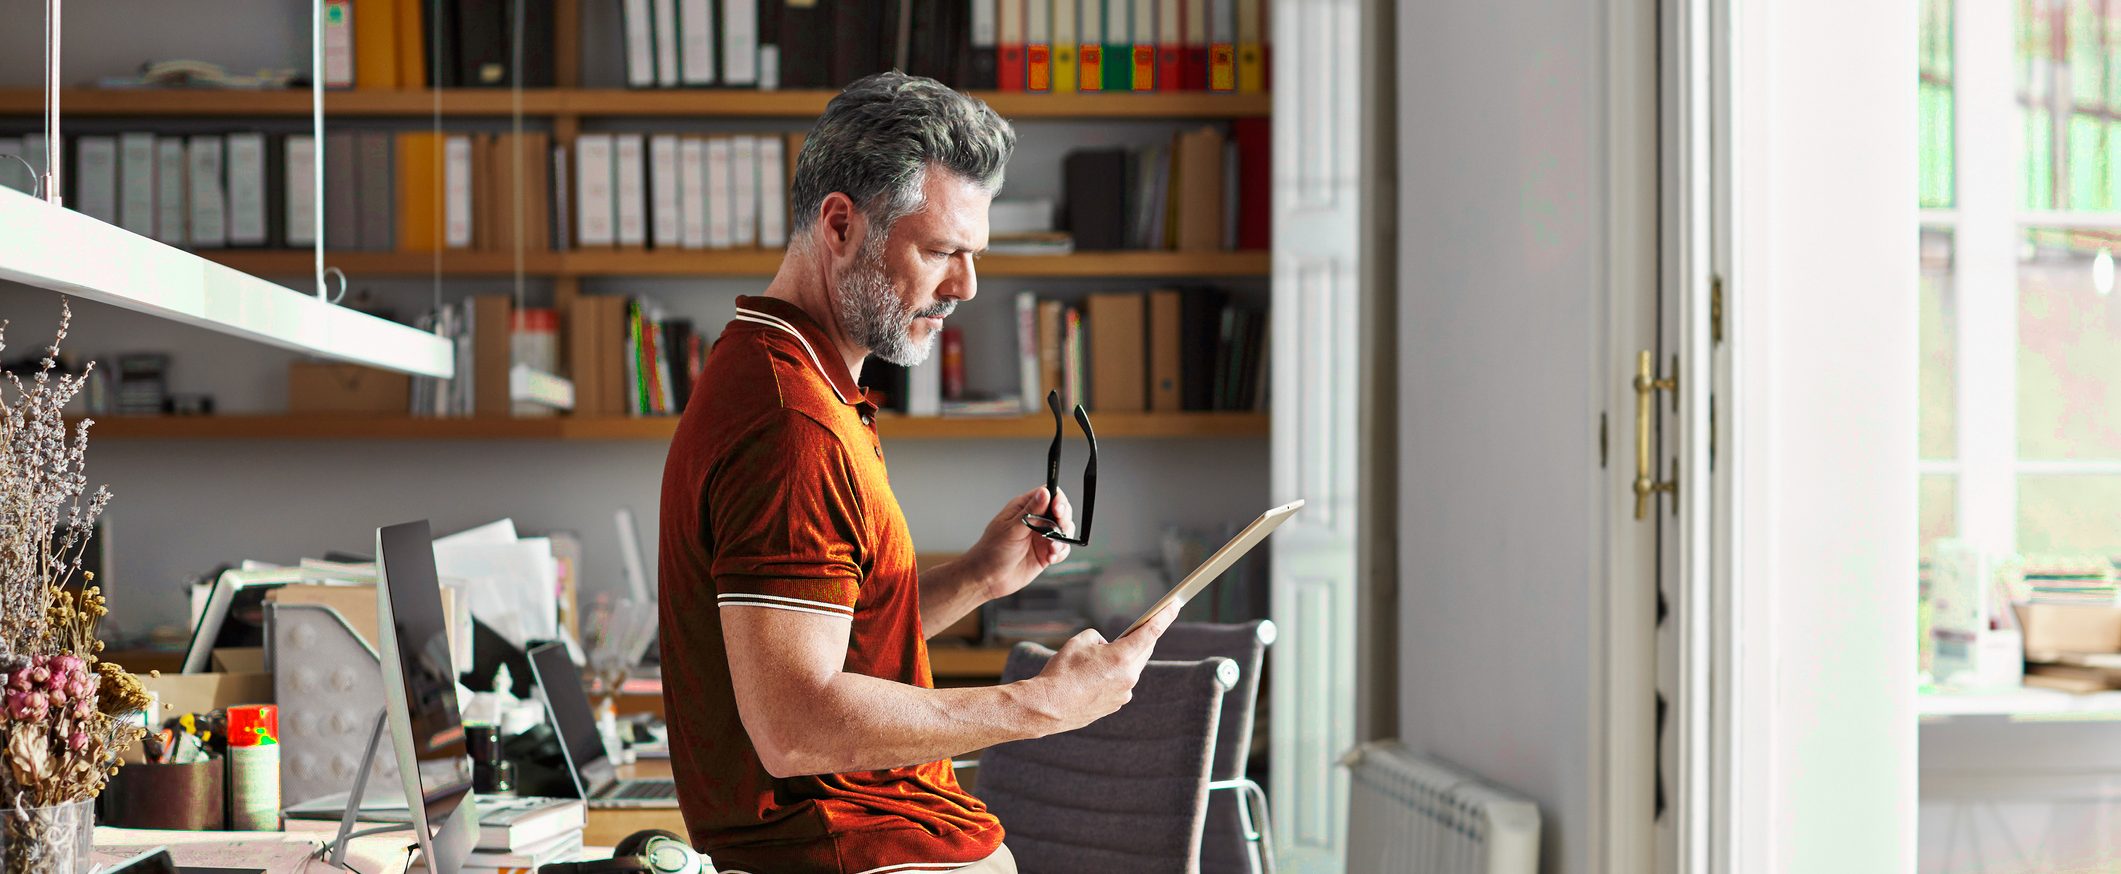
(595, 777)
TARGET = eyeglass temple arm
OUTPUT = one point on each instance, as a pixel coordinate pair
(1053, 455)
(1089, 496)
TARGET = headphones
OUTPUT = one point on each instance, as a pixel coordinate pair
(653, 851)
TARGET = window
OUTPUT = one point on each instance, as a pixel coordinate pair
(2020, 447)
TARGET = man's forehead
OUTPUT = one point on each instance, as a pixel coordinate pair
(954, 206)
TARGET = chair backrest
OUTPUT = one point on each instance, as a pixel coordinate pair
(1223, 846)
(1125, 793)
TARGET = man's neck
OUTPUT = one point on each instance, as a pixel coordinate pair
(803, 281)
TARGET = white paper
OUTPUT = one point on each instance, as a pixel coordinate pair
(508, 586)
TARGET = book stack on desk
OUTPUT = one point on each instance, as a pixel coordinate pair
(527, 832)
(514, 833)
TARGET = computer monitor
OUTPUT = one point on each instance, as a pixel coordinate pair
(420, 698)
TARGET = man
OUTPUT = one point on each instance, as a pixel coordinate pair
(806, 732)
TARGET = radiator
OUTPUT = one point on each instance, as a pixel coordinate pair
(1413, 815)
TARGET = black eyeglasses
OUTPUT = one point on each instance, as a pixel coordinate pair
(1048, 526)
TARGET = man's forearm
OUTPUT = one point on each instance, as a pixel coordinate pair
(948, 592)
(861, 723)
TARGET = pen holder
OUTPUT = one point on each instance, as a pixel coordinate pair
(185, 797)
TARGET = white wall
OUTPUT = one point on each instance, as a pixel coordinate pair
(1501, 152)
(1824, 303)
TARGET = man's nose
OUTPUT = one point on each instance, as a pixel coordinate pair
(963, 281)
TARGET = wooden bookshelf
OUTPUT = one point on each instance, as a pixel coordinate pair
(602, 103)
(736, 262)
(660, 428)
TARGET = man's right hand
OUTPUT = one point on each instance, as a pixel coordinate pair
(1090, 678)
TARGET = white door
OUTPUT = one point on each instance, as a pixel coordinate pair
(1318, 201)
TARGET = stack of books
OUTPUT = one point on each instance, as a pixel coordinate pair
(1162, 351)
(494, 375)
(1007, 45)
(671, 191)
(1204, 192)
(522, 834)
(389, 44)
(1168, 350)
(206, 191)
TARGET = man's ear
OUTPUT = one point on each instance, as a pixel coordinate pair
(840, 226)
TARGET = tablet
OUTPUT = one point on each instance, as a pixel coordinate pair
(1221, 561)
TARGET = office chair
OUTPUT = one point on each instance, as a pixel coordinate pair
(1126, 793)
(1239, 833)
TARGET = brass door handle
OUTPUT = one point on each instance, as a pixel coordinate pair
(1647, 385)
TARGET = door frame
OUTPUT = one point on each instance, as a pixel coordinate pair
(1623, 657)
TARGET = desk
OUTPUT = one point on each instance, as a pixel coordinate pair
(607, 828)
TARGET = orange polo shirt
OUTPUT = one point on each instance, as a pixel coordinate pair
(775, 497)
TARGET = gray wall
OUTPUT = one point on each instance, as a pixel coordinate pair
(1500, 150)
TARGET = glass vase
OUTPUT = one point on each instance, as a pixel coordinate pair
(47, 840)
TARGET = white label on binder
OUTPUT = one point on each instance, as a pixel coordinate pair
(692, 191)
(209, 211)
(246, 189)
(172, 212)
(299, 183)
(696, 32)
(136, 183)
(744, 190)
(593, 197)
(740, 42)
(456, 192)
(773, 192)
(96, 178)
(721, 213)
(631, 165)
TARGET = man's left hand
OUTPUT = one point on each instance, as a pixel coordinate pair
(1009, 554)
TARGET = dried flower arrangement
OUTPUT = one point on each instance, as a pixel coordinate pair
(65, 714)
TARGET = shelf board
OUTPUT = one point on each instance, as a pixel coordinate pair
(735, 262)
(958, 662)
(353, 427)
(701, 103)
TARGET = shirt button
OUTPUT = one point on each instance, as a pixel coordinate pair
(867, 420)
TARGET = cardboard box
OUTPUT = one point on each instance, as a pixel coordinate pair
(319, 387)
(199, 693)
(2070, 628)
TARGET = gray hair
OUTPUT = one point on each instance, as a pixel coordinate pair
(876, 140)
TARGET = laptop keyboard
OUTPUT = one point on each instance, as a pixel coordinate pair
(644, 790)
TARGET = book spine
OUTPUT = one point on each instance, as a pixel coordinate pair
(299, 174)
(740, 42)
(209, 207)
(136, 183)
(338, 44)
(984, 41)
(629, 164)
(667, 223)
(1027, 359)
(1170, 45)
(744, 190)
(1144, 75)
(1090, 48)
(171, 211)
(1010, 68)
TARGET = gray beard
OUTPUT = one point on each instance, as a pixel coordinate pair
(873, 315)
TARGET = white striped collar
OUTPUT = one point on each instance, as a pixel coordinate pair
(760, 317)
